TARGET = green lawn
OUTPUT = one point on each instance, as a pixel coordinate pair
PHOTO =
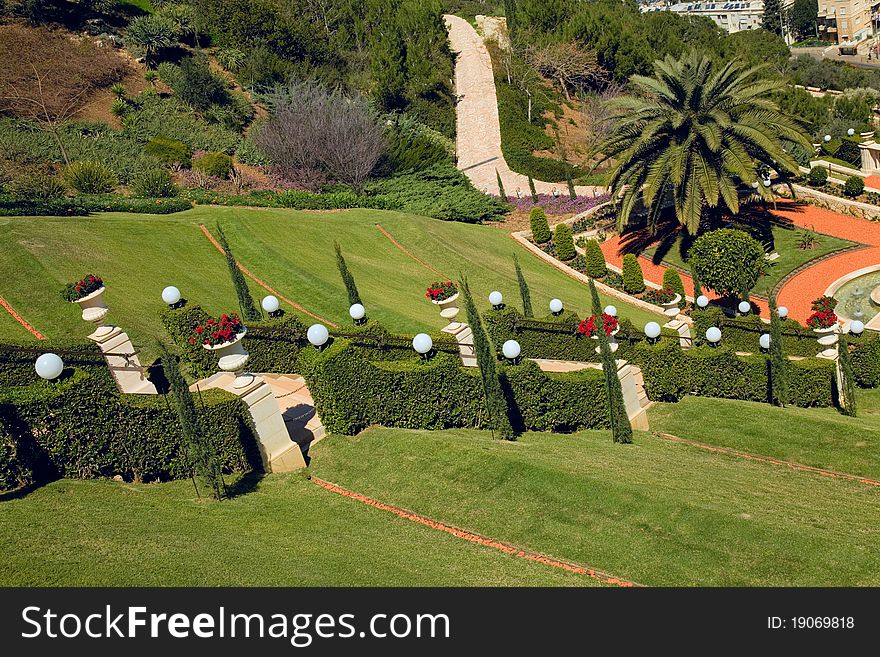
(817, 437)
(288, 532)
(785, 242)
(138, 255)
(654, 512)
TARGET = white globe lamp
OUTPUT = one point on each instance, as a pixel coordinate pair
(511, 350)
(171, 295)
(827, 138)
(423, 344)
(610, 310)
(764, 341)
(358, 313)
(652, 331)
(496, 299)
(555, 306)
(713, 335)
(782, 311)
(318, 336)
(49, 366)
(856, 327)
(702, 301)
(744, 307)
(270, 304)
(851, 132)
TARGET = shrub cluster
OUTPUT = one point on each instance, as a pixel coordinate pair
(90, 177)
(81, 206)
(854, 186)
(742, 333)
(218, 165)
(818, 176)
(154, 183)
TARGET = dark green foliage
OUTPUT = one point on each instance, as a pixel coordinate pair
(772, 20)
(728, 261)
(82, 427)
(621, 429)
(540, 228)
(524, 292)
(846, 394)
(865, 359)
(802, 16)
(672, 281)
(197, 85)
(387, 68)
(169, 151)
(698, 288)
(501, 192)
(218, 165)
(571, 190)
(596, 267)
(532, 190)
(347, 278)
(633, 279)
(742, 333)
(818, 176)
(154, 183)
(671, 372)
(90, 177)
(84, 205)
(564, 242)
(412, 147)
(249, 312)
(198, 449)
(778, 357)
(849, 151)
(855, 186)
(352, 392)
(499, 413)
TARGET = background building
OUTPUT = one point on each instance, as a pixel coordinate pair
(729, 16)
(843, 21)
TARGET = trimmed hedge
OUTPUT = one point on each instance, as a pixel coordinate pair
(82, 427)
(633, 279)
(672, 281)
(742, 333)
(81, 206)
(539, 226)
(595, 259)
(351, 393)
(866, 360)
(854, 186)
(564, 242)
(671, 373)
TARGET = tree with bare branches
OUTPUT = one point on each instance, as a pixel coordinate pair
(573, 67)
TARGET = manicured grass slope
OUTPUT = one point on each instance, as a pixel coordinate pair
(138, 255)
(288, 532)
(811, 436)
(654, 512)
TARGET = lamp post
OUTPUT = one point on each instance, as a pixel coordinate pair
(171, 296)
(497, 300)
(511, 351)
(556, 307)
(423, 344)
(318, 336)
(358, 313)
(764, 342)
(610, 310)
(702, 301)
(652, 332)
(856, 327)
(744, 307)
(713, 335)
(271, 305)
(49, 366)
(782, 311)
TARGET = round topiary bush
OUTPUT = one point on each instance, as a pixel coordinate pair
(728, 261)
(540, 228)
(595, 259)
(564, 242)
(633, 279)
(854, 186)
(218, 165)
(154, 183)
(90, 177)
(818, 176)
(672, 281)
(169, 151)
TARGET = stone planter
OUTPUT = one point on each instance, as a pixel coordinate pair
(233, 358)
(671, 309)
(94, 310)
(448, 307)
(827, 339)
(866, 135)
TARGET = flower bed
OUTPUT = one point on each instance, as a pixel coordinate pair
(557, 205)
(82, 288)
(590, 326)
(219, 331)
(660, 297)
(823, 316)
(441, 291)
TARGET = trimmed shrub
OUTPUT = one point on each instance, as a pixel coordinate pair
(218, 165)
(743, 333)
(633, 279)
(865, 358)
(90, 177)
(672, 281)
(727, 260)
(849, 151)
(540, 228)
(170, 152)
(595, 259)
(154, 183)
(818, 176)
(564, 243)
(854, 186)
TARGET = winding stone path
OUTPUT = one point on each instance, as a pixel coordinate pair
(478, 130)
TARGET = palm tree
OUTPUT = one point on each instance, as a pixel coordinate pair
(698, 137)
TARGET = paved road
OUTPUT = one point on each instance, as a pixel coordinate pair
(477, 125)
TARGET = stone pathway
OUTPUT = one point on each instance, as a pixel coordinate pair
(478, 131)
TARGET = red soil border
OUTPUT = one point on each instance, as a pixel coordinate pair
(21, 320)
(605, 578)
(404, 249)
(766, 459)
(263, 285)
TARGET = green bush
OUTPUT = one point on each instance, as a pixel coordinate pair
(154, 183)
(564, 243)
(866, 360)
(118, 107)
(818, 176)
(249, 153)
(854, 186)
(38, 186)
(412, 147)
(671, 373)
(743, 333)
(153, 116)
(633, 279)
(540, 228)
(727, 260)
(82, 427)
(90, 177)
(595, 259)
(849, 151)
(672, 281)
(218, 165)
(84, 205)
(169, 151)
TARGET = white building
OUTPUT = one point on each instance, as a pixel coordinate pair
(729, 16)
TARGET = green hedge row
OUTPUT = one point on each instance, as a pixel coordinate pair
(866, 360)
(742, 333)
(352, 392)
(82, 427)
(671, 373)
(80, 206)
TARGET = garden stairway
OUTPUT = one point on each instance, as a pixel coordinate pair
(464, 336)
(123, 362)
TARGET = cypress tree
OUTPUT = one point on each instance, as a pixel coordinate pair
(697, 289)
(621, 429)
(197, 446)
(564, 242)
(246, 302)
(596, 266)
(845, 386)
(571, 192)
(523, 289)
(778, 359)
(347, 278)
(387, 68)
(501, 191)
(672, 280)
(532, 191)
(633, 278)
(539, 226)
(495, 400)
(510, 15)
